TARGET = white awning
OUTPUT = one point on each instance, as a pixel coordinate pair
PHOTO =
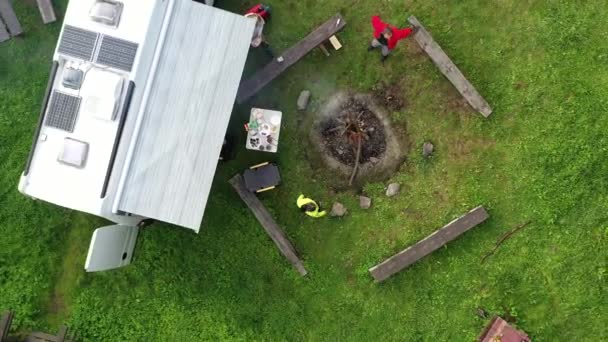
(186, 116)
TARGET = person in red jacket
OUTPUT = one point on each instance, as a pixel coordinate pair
(261, 13)
(386, 36)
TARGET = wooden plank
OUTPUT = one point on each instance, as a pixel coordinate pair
(5, 324)
(46, 11)
(335, 42)
(273, 69)
(10, 18)
(324, 50)
(270, 226)
(61, 335)
(429, 244)
(40, 337)
(4, 35)
(449, 69)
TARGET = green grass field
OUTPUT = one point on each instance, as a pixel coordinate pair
(541, 157)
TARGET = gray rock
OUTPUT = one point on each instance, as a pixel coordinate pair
(427, 149)
(393, 189)
(304, 99)
(481, 312)
(365, 202)
(338, 210)
(374, 160)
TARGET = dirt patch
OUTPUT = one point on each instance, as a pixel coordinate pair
(414, 214)
(391, 97)
(57, 304)
(520, 85)
(465, 147)
(354, 121)
(414, 50)
(346, 118)
(457, 104)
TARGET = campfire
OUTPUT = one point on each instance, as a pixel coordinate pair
(355, 135)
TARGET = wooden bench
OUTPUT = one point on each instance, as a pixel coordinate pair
(4, 35)
(270, 226)
(10, 18)
(5, 325)
(428, 245)
(272, 70)
(449, 69)
(46, 11)
(62, 336)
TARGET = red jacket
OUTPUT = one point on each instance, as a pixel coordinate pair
(261, 10)
(398, 34)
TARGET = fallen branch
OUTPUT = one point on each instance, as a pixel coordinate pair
(503, 238)
(335, 129)
(352, 177)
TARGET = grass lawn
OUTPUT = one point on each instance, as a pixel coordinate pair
(541, 157)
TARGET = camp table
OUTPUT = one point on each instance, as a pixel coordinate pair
(263, 130)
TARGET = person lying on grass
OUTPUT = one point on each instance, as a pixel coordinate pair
(310, 207)
(387, 36)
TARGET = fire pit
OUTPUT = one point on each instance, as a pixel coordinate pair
(354, 124)
(355, 138)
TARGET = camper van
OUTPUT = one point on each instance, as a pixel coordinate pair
(135, 113)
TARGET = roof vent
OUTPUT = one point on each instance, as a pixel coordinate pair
(106, 12)
(74, 153)
(72, 78)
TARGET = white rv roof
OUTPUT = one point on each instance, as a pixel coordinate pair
(97, 151)
(172, 161)
(80, 187)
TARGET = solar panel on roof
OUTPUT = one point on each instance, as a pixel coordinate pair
(63, 110)
(77, 42)
(117, 53)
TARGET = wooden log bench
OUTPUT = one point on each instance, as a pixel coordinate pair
(428, 245)
(10, 18)
(270, 226)
(449, 69)
(272, 70)
(5, 325)
(46, 11)
(62, 336)
(4, 35)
